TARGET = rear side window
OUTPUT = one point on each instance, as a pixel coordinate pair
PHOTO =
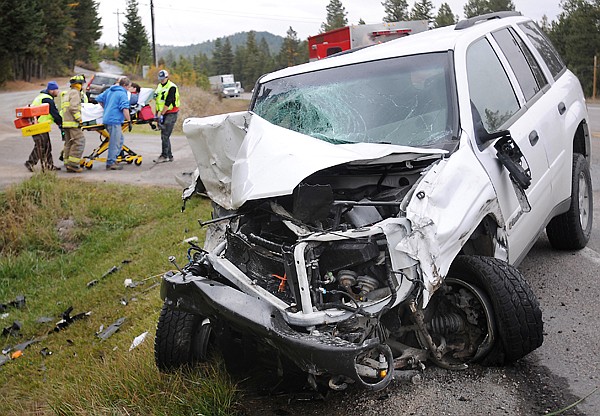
(492, 95)
(544, 47)
(513, 50)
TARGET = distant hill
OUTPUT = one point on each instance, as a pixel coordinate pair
(237, 39)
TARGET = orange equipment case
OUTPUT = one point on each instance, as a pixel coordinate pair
(35, 111)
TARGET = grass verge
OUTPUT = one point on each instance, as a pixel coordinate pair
(58, 240)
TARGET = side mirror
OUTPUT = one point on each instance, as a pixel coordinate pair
(512, 159)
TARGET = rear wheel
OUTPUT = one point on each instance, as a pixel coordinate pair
(182, 339)
(486, 313)
(571, 230)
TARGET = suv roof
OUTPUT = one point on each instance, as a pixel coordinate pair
(435, 40)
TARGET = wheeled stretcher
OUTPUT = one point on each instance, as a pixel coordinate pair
(141, 113)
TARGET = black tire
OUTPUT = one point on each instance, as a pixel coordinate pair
(572, 230)
(182, 339)
(517, 318)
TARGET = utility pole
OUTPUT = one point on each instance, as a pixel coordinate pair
(153, 42)
(118, 29)
(594, 82)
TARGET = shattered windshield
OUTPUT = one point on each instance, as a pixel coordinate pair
(405, 101)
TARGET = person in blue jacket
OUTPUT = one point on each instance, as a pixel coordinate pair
(116, 111)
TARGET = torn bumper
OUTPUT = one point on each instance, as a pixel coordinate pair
(315, 353)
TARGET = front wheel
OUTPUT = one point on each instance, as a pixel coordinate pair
(485, 312)
(182, 339)
(572, 230)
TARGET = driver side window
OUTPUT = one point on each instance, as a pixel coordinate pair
(489, 87)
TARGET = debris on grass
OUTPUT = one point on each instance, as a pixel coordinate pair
(18, 303)
(138, 340)
(67, 319)
(12, 329)
(108, 332)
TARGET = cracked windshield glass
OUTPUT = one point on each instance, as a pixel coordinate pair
(404, 101)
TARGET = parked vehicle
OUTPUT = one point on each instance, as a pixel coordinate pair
(224, 85)
(356, 36)
(371, 209)
(100, 82)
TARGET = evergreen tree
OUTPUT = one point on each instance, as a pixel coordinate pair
(422, 10)
(577, 38)
(395, 10)
(215, 62)
(336, 16)
(479, 7)
(239, 59)
(252, 65)
(268, 63)
(226, 63)
(135, 47)
(361, 21)
(57, 39)
(445, 17)
(86, 28)
(289, 55)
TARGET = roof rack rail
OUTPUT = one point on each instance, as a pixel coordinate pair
(463, 24)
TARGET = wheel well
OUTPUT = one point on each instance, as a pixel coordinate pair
(581, 141)
(483, 240)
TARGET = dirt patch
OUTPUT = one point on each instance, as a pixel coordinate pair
(37, 84)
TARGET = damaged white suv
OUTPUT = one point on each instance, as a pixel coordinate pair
(370, 208)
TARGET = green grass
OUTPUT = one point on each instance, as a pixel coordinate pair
(55, 237)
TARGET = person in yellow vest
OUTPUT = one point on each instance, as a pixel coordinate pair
(166, 97)
(42, 149)
(70, 110)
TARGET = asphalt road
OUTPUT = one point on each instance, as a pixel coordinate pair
(566, 367)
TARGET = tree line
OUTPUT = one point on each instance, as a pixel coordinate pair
(42, 39)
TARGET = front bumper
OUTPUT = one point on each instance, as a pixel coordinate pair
(315, 353)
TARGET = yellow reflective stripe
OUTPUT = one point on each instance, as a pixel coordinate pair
(74, 159)
(69, 124)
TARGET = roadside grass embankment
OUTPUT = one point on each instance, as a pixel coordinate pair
(58, 240)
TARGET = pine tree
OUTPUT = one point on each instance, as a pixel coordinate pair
(395, 10)
(57, 39)
(226, 64)
(500, 5)
(289, 53)
(215, 62)
(252, 65)
(422, 10)
(476, 8)
(135, 47)
(445, 17)
(336, 16)
(86, 28)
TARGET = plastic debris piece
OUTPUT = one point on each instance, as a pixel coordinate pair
(129, 283)
(112, 270)
(12, 329)
(191, 239)
(108, 332)
(4, 315)
(45, 352)
(70, 342)
(126, 261)
(92, 283)
(138, 340)
(124, 302)
(16, 354)
(67, 319)
(24, 345)
(18, 303)
(4, 359)
(44, 320)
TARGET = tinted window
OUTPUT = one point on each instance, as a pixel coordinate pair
(533, 63)
(544, 47)
(517, 62)
(489, 87)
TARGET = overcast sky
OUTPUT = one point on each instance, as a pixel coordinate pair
(185, 22)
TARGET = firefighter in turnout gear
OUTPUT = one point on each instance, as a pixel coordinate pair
(70, 110)
(42, 150)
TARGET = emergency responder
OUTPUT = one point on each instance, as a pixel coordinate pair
(70, 110)
(42, 149)
(166, 97)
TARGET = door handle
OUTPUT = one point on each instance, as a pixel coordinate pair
(533, 137)
(562, 108)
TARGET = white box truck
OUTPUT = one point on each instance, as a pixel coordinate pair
(224, 85)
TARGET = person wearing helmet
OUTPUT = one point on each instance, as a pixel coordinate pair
(71, 113)
(167, 106)
(42, 150)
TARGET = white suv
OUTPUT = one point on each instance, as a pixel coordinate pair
(371, 208)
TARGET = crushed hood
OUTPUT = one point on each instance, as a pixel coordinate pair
(242, 157)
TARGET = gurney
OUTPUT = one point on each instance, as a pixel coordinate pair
(91, 114)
